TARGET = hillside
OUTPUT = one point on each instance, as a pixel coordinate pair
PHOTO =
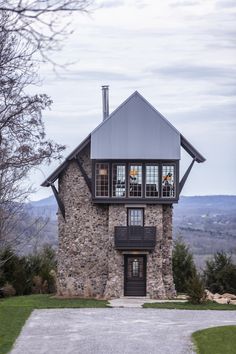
(206, 223)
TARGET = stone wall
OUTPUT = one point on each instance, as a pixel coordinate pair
(115, 281)
(83, 236)
(155, 284)
(167, 245)
(160, 283)
(88, 264)
(159, 265)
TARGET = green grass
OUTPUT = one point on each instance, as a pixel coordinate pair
(14, 311)
(209, 305)
(216, 340)
(11, 321)
(48, 302)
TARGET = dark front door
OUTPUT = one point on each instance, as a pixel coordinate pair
(135, 275)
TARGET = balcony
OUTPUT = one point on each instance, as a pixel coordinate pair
(135, 237)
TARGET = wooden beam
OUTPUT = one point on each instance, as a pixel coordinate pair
(84, 174)
(185, 176)
(58, 199)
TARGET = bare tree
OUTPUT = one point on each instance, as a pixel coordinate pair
(45, 23)
(28, 30)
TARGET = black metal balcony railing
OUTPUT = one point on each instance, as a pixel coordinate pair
(135, 237)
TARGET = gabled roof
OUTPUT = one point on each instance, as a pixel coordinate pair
(135, 93)
(95, 137)
(135, 130)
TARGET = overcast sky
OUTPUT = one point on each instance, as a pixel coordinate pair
(180, 55)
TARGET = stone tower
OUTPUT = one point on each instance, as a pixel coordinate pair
(115, 196)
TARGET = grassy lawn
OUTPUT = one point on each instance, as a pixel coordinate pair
(209, 305)
(217, 340)
(14, 311)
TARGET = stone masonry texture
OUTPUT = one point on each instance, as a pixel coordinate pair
(88, 264)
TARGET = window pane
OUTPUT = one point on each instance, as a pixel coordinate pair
(168, 186)
(102, 179)
(118, 181)
(135, 180)
(135, 217)
(151, 181)
(135, 268)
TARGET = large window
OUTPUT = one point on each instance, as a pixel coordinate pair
(118, 180)
(102, 180)
(149, 180)
(135, 217)
(151, 186)
(135, 180)
(168, 181)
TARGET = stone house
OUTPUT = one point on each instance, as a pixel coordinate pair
(115, 195)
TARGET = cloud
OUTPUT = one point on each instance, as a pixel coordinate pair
(209, 115)
(184, 3)
(178, 53)
(111, 3)
(89, 75)
(195, 71)
(225, 3)
(226, 89)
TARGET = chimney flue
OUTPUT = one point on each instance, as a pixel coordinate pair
(105, 101)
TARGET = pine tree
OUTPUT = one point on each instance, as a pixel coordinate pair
(183, 265)
(220, 274)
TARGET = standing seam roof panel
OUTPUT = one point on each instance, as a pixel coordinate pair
(135, 131)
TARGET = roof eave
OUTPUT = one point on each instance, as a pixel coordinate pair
(53, 177)
(191, 150)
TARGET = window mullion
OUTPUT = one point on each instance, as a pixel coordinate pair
(143, 180)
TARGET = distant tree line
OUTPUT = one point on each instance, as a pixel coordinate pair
(218, 276)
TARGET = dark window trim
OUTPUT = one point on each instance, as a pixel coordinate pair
(133, 208)
(143, 199)
(145, 182)
(175, 180)
(109, 173)
(128, 179)
(121, 164)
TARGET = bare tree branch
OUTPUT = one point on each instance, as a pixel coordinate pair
(29, 32)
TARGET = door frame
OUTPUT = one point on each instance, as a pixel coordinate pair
(132, 255)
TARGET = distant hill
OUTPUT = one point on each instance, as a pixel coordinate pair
(44, 207)
(206, 223)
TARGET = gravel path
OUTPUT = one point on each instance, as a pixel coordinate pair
(118, 331)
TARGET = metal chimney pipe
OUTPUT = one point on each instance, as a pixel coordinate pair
(105, 101)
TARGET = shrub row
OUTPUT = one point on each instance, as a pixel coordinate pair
(218, 276)
(27, 274)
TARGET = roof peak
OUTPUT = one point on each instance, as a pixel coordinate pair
(135, 93)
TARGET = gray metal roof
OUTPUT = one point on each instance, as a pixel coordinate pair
(191, 150)
(135, 130)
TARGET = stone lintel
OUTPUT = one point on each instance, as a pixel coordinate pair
(135, 205)
(135, 252)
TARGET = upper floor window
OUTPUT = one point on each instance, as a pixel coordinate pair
(135, 217)
(118, 180)
(151, 186)
(102, 180)
(150, 180)
(135, 180)
(168, 181)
